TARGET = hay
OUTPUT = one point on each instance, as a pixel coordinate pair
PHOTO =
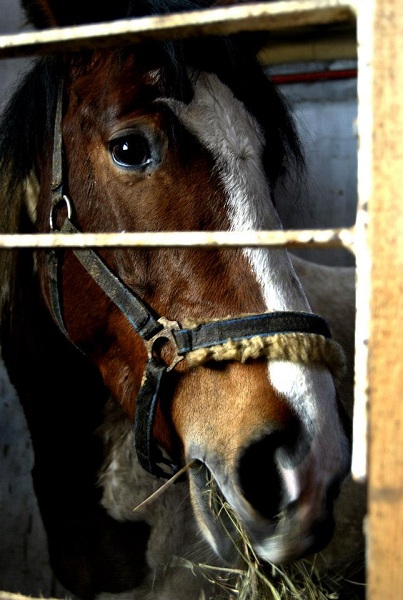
(252, 580)
(161, 490)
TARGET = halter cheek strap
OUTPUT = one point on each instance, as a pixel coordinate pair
(224, 339)
(199, 342)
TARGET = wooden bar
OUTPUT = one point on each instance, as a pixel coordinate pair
(383, 21)
(13, 596)
(323, 238)
(363, 262)
(336, 46)
(275, 16)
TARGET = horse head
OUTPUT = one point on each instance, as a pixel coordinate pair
(189, 136)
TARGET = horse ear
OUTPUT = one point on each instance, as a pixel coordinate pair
(55, 13)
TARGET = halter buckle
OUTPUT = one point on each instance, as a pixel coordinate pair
(157, 341)
(56, 204)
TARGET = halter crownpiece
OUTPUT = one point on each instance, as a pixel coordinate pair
(295, 336)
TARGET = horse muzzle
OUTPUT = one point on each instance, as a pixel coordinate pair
(266, 501)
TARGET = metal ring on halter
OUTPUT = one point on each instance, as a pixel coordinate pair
(62, 200)
(166, 333)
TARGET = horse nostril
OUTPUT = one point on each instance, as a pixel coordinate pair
(259, 476)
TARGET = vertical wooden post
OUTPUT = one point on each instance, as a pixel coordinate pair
(380, 25)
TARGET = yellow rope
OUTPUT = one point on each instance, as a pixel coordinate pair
(294, 347)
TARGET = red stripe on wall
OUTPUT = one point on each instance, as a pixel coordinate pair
(314, 76)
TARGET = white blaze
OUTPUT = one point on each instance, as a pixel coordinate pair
(233, 136)
(223, 126)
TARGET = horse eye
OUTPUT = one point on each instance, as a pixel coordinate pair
(130, 151)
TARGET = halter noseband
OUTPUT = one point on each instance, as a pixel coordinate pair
(153, 328)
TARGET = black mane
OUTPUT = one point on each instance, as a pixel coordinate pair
(28, 119)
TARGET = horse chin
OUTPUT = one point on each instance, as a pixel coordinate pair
(236, 531)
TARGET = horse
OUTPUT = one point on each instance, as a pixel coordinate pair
(226, 372)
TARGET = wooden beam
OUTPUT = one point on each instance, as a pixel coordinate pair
(380, 32)
(293, 238)
(331, 46)
(13, 596)
(275, 16)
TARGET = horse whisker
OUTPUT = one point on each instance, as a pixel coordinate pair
(161, 490)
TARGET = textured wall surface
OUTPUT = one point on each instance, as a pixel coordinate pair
(325, 113)
(11, 21)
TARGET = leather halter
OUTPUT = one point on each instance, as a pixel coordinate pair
(149, 325)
